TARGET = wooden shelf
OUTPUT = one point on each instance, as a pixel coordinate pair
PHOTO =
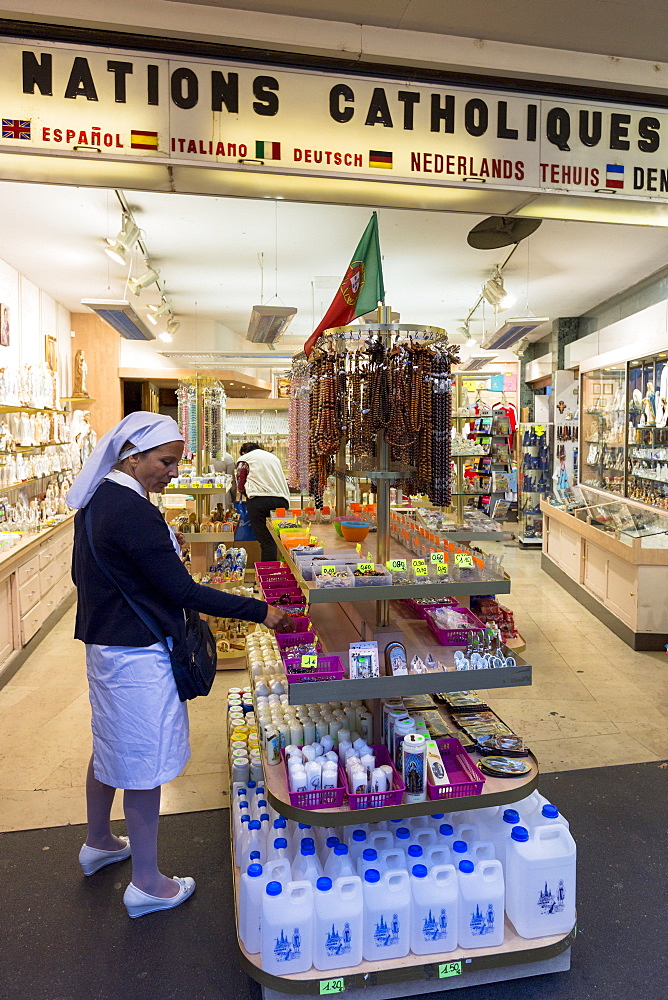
(193, 490)
(214, 537)
(12, 408)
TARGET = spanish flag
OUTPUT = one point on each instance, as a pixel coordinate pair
(143, 140)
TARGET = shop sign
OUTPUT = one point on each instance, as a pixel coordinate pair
(123, 105)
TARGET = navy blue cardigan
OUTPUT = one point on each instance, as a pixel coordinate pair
(133, 541)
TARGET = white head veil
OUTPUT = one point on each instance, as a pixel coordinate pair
(145, 430)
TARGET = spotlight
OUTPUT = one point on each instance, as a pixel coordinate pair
(156, 311)
(167, 337)
(493, 290)
(173, 327)
(144, 280)
(123, 242)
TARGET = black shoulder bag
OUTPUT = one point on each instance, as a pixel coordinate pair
(194, 663)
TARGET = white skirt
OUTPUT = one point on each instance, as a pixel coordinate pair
(140, 728)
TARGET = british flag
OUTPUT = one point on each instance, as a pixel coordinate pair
(15, 128)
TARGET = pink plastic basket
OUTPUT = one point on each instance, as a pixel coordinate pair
(330, 668)
(420, 610)
(296, 639)
(265, 576)
(372, 800)
(261, 566)
(324, 798)
(465, 778)
(301, 623)
(272, 594)
(455, 636)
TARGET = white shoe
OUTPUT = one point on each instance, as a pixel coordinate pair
(139, 902)
(91, 859)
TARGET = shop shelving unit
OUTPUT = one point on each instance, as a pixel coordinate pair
(348, 617)
(530, 513)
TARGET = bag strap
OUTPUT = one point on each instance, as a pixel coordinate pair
(148, 621)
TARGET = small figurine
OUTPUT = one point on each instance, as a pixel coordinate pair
(80, 376)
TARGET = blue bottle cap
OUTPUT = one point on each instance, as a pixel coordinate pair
(264, 817)
(280, 843)
(254, 870)
(262, 804)
(369, 854)
(307, 849)
(323, 883)
(252, 784)
(244, 804)
(415, 851)
(246, 818)
(445, 830)
(254, 824)
(307, 840)
(403, 833)
(274, 888)
(332, 842)
(255, 855)
(520, 833)
(304, 826)
(242, 791)
(280, 823)
(340, 849)
(438, 815)
(261, 790)
(549, 811)
(419, 871)
(359, 835)
(467, 867)
(511, 816)
(371, 875)
(400, 820)
(460, 847)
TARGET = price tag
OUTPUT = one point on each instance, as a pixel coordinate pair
(442, 569)
(463, 560)
(367, 567)
(397, 564)
(437, 557)
(328, 986)
(328, 570)
(207, 486)
(312, 540)
(448, 969)
(309, 663)
(419, 567)
(539, 430)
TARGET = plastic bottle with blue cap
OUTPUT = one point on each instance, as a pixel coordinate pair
(481, 904)
(252, 883)
(547, 815)
(242, 835)
(339, 862)
(368, 860)
(307, 865)
(287, 928)
(337, 923)
(501, 834)
(380, 840)
(300, 831)
(254, 841)
(434, 909)
(387, 911)
(541, 880)
(357, 844)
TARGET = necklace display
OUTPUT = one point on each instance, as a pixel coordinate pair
(402, 390)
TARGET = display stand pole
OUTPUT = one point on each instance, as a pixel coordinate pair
(341, 497)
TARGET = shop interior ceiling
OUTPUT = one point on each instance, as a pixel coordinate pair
(209, 252)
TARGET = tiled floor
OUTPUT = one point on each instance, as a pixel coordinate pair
(593, 702)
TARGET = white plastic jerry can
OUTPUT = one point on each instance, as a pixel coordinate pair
(481, 898)
(251, 888)
(541, 880)
(435, 903)
(387, 911)
(287, 928)
(337, 923)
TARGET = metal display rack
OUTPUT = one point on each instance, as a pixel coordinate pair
(377, 980)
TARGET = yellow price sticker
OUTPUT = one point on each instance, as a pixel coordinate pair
(312, 540)
(437, 557)
(539, 430)
(419, 567)
(328, 986)
(463, 560)
(448, 969)
(367, 567)
(328, 570)
(442, 569)
(207, 486)
(309, 663)
(397, 564)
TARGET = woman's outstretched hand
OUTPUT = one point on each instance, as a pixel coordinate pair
(278, 620)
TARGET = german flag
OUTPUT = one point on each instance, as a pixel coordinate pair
(143, 140)
(380, 158)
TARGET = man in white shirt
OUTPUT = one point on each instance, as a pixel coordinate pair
(261, 481)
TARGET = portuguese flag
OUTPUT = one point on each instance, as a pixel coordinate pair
(362, 287)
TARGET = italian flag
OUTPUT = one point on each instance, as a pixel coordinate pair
(267, 150)
(362, 287)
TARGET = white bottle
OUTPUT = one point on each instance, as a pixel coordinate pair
(380, 840)
(414, 856)
(468, 832)
(253, 843)
(251, 889)
(446, 835)
(357, 844)
(460, 852)
(415, 823)
(242, 835)
(481, 897)
(435, 820)
(306, 865)
(500, 834)
(387, 910)
(530, 806)
(436, 856)
(278, 870)
(434, 911)
(481, 850)
(339, 863)
(287, 928)
(541, 880)
(241, 808)
(279, 850)
(368, 860)
(337, 923)
(391, 860)
(301, 831)
(547, 816)
(425, 837)
(402, 838)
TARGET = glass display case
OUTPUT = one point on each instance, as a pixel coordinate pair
(647, 464)
(625, 519)
(603, 445)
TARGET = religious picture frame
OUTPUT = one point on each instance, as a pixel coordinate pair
(51, 352)
(4, 325)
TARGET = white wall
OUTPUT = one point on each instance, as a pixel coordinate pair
(646, 332)
(33, 315)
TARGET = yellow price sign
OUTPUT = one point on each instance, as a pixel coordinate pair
(437, 558)
(397, 564)
(309, 663)
(367, 567)
(419, 567)
(207, 486)
(312, 540)
(328, 570)
(463, 560)
(539, 430)
(442, 569)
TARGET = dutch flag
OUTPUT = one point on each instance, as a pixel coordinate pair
(614, 176)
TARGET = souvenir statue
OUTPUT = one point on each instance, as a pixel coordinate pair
(80, 375)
